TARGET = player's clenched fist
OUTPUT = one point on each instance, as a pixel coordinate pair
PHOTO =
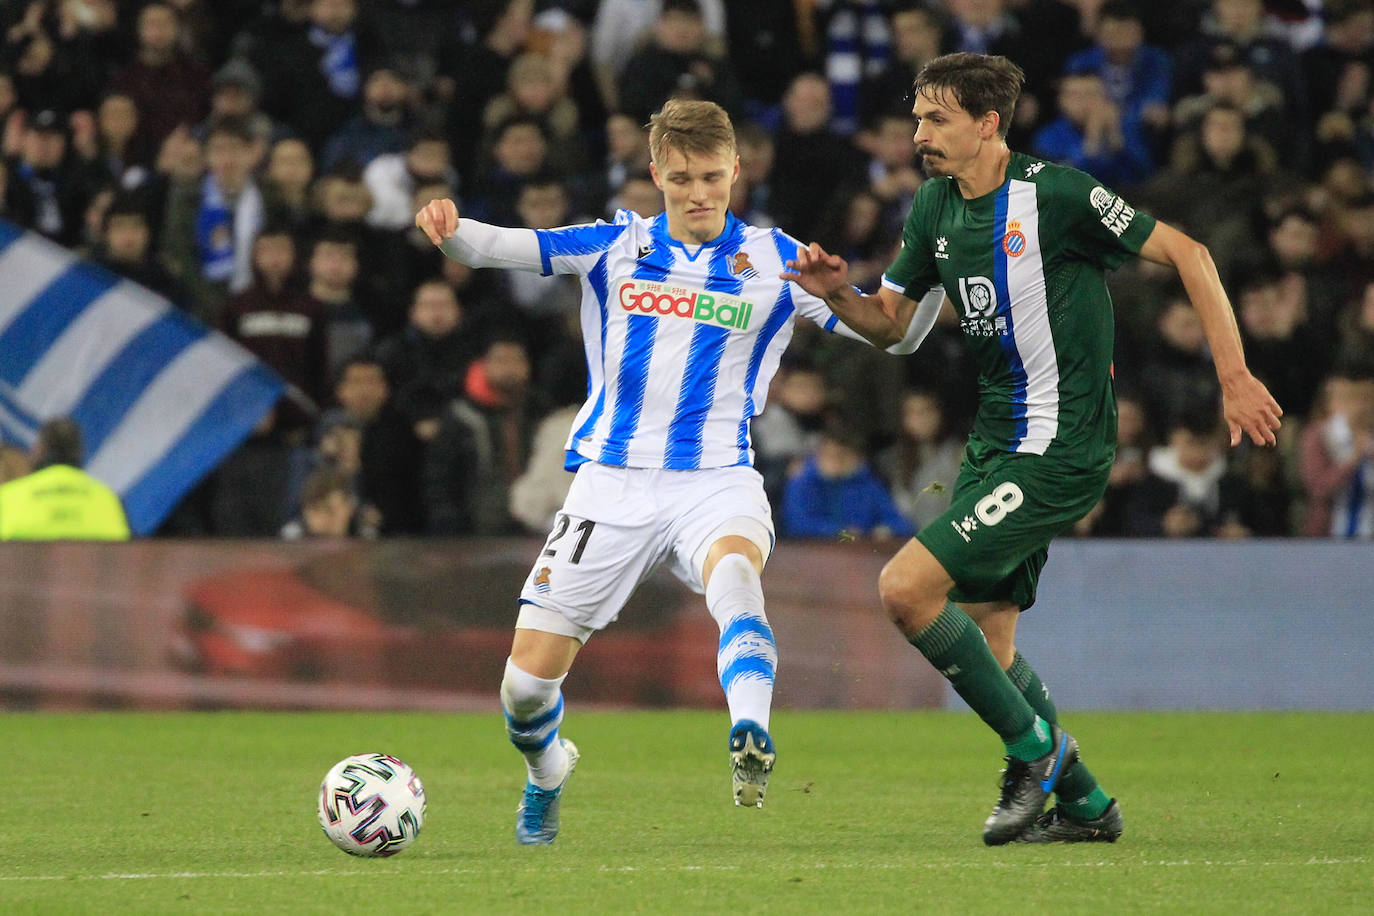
(438, 219)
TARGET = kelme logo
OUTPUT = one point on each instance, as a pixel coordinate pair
(650, 297)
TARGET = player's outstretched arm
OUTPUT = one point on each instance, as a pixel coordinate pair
(883, 319)
(1247, 405)
(478, 244)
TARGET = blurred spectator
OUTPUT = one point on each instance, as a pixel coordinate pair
(331, 275)
(1338, 459)
(810, 160)
(892, 175)
(535, 88)
(790, 426)
(477, 70)
(235, 92)
(48, 188)
(1188, 492)
(1292, 250)
(1228, 79)
(837, 495)
(1356, 347)
(1242, 23)
(427, 362)
(1280, 346)
(286, 183)
(622, 27)
(639, 195)
(383, 126)
(518, 150)
(126, 249)
(328, 508)
(1214, 183)
(542, 301)
(752, 194)
(853, 229)
(170, 87)
(483, 445)
(48, 73)
(678, 62)
(1339, 70)
(389, 454)
(538, 493)
(119, 149)
(248, 491)
(278, 323)
(1137, 78)
(916, 31)
(564, 38)
(211, 221)
(1177, 373)
(858, 46)
(920, 468)
(1091, 134)
(313, 74)
(627, 152)
(391, 178)
(58, 501)
(764, 47)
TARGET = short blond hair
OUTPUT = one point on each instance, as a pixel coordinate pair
(693, 128)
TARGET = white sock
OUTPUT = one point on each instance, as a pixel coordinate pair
(534, 710)
(747, 657)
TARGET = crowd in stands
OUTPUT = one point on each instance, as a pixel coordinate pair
(259, 163)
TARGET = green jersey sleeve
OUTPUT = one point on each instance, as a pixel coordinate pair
(1100, 225)
(913, 273)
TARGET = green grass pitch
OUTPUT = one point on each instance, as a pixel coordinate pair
(867, 813)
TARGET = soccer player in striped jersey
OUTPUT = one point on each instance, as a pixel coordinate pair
(1021, 246)
(684, 319)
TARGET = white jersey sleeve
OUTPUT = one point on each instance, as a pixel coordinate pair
(479, 244)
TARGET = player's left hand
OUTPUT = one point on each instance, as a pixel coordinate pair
(1250, 410)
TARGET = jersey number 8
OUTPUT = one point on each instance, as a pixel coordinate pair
(991, 509)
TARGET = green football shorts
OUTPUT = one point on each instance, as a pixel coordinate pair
(995, 536)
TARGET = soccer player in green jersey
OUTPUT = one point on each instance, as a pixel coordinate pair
(1021, 247)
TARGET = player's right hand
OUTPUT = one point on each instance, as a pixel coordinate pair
(438, 219)
(816, 271)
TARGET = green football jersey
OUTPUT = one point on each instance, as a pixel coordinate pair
(1024, 266)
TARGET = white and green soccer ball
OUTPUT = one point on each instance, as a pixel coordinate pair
(371, 805)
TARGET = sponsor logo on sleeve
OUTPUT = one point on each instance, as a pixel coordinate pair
(665, 300)
(1033, 168)
(1115, 213)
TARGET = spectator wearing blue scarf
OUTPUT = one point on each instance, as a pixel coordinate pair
(212, 220)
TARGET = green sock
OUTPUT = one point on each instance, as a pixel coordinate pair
(956, 647)
(1078, 790)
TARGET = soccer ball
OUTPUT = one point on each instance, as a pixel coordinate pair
(371, 805)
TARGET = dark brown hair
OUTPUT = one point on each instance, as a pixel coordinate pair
(979, 82)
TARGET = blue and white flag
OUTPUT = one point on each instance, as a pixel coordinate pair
(160, 398)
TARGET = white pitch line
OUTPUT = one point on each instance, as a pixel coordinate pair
(819, 866)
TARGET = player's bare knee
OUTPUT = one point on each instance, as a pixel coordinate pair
(907, 603)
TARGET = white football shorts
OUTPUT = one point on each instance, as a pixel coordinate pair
(620, 524)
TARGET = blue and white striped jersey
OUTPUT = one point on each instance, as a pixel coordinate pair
(681, 344)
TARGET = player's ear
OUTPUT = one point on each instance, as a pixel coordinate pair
(653, 173)
(987, 126)
(734, 176)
